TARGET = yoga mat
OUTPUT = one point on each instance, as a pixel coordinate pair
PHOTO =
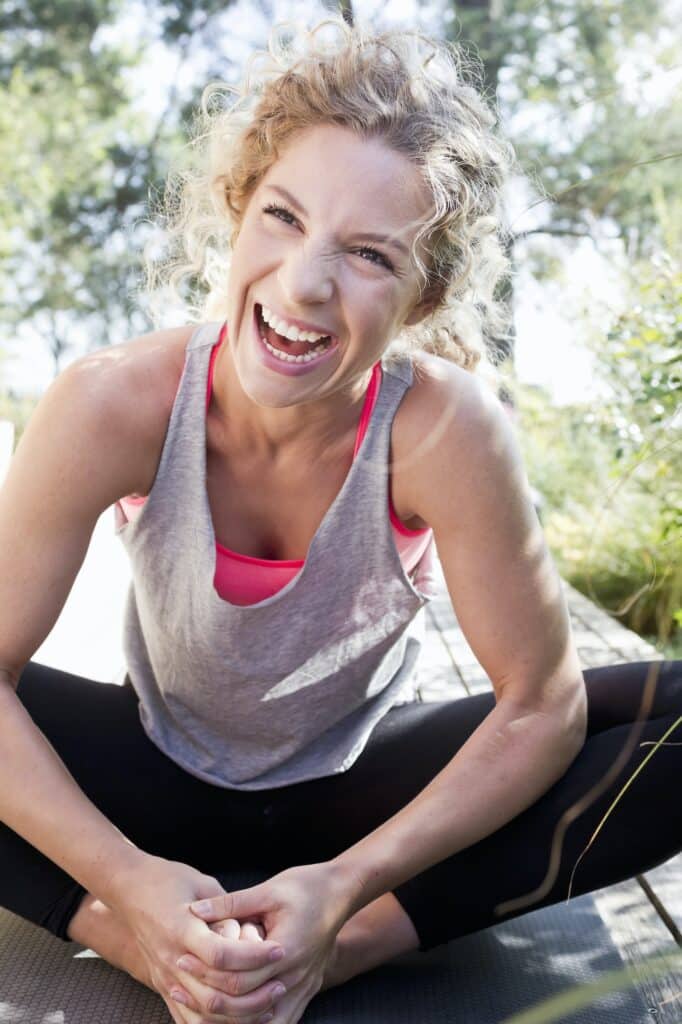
(479, 979)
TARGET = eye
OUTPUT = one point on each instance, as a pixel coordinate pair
(374, 256)
(369, 254)
(281, 213)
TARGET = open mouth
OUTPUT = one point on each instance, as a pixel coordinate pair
(300, 352)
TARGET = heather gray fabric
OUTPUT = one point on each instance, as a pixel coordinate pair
(290, 688)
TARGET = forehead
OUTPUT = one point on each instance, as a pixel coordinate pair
(353, 182)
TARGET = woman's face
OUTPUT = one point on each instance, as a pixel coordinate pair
(324, 245)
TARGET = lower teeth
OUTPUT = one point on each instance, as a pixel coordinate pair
(288, 358)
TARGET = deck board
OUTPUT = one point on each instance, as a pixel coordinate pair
(639, 933)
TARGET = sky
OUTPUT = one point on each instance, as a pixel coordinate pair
(548, 349)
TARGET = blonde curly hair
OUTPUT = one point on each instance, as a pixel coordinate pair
(419, 96)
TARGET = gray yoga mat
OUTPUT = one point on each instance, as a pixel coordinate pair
(478, 979)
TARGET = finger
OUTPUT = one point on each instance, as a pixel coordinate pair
(174, 1011)
(229, 929)
(255, 932)
(208, 999)
(236, 983)
(240, 904)
(223, 954)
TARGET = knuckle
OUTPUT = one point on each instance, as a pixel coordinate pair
(297, 977)
(218, 958)
(168, 958)
(233, 983)
(214, 1004)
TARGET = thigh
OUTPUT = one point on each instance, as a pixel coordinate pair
(414, 742)
(96, 730)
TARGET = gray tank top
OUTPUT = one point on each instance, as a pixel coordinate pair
(288, 689)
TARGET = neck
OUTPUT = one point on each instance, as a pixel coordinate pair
(273, 433)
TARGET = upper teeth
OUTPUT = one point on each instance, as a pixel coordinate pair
(288, 330)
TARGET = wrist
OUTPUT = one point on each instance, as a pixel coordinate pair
(125, 867)
(349, 884)
(343, 963)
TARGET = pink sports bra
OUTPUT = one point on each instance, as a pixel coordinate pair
(243, 579)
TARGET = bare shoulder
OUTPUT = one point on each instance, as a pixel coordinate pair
(442, 389)
(126, 391)
(137, 378)
(449, 424)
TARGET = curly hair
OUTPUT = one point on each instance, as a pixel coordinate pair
(419, 96)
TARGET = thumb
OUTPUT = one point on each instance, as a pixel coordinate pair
(240, 904)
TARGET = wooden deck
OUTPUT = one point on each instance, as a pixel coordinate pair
(644, 914)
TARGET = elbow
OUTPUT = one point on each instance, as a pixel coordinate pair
(565, 720)
(572, 721)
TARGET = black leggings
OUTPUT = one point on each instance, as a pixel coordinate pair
(96, 730)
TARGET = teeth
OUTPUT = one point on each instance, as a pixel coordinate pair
(288, 330)
(288, 358)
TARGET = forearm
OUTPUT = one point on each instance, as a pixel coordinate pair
(511, 759)
(41, 801)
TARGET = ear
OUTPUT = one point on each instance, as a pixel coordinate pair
(426, 305)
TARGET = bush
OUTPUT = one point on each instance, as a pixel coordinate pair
(611, 472)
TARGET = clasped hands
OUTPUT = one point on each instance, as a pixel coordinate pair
(280, 932)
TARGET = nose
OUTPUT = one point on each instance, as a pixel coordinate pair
(306, 277)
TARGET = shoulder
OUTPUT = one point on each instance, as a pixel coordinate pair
(441, 388)
(125, 393)
(146, 366)
(450, 426)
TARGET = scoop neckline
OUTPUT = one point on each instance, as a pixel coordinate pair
(291, 563)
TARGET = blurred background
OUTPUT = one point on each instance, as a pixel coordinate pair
(96, 97)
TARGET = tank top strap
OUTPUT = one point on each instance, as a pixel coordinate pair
(182, 464)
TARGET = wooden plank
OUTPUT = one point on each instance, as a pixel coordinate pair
(665, 882)
(639, 933)
(588, 618)
(437, 676)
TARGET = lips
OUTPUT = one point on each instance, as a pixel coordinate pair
(289, 368)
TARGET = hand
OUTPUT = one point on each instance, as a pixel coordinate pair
(230, 929)
(154, 902)
(302, 908)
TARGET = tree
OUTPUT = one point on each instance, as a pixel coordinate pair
(68, 142)
(587, 135)
(80, 161)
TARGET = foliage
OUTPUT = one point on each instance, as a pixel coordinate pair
(611, 472)
(572, 82)
(80, 160)
(68, 141)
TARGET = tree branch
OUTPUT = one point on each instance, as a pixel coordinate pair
(550, 231)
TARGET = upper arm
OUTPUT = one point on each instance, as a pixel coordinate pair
(471, 487)
(77, 456)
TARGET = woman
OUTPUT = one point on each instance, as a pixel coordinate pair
(280, 475)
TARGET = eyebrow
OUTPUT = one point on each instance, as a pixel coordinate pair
(368, 236)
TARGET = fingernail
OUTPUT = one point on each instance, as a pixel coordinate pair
(278, 990)
(180, 997)
(276, 954)
(266, 1018)
(202, 907)
(184, 964)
